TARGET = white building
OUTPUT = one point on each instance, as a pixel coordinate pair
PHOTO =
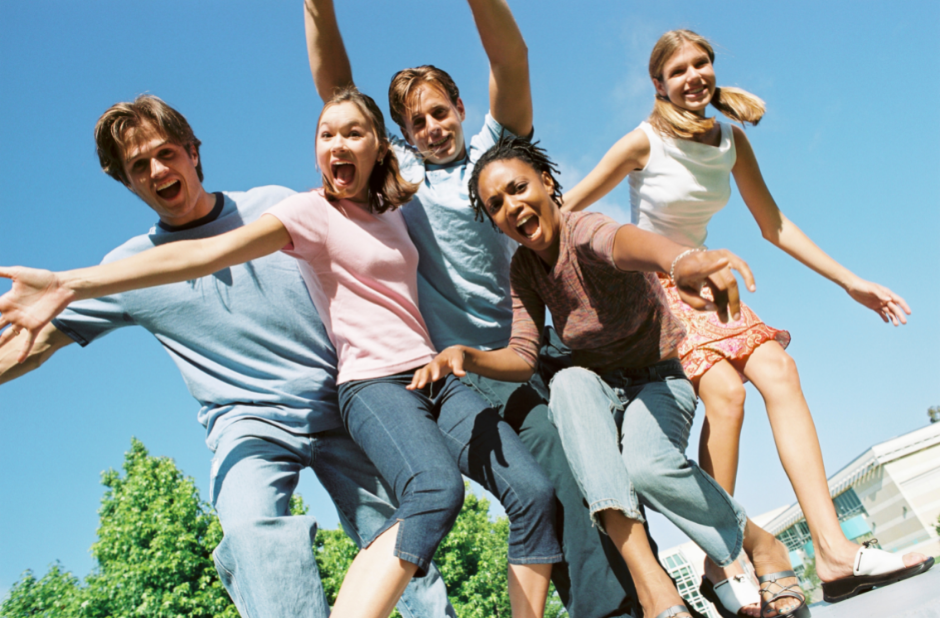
(890, 492)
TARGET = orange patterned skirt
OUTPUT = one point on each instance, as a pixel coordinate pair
(708, 341)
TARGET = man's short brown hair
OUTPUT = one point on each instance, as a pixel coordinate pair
(146, 110)
(406, 81)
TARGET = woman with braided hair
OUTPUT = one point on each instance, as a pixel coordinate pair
(597, 279)
(680, 163)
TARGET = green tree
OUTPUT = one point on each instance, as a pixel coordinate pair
(934, 413)
(154, 555)
(56, 595)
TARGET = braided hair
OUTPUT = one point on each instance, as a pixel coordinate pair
(512, 147)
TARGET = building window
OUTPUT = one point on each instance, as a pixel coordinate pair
(848, 505)
(796, 536)
(687, 584)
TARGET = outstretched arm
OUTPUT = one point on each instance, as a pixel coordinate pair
(510, 92)
(49, 341)
(630, 153)
(37, 296)
(502, 364)
(782, 232)
(329, 63)
(636, 249)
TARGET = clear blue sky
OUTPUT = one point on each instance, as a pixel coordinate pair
(848, 148)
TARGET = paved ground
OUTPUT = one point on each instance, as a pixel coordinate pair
(918, 597)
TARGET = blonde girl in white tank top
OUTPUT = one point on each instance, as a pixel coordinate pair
(680, 163)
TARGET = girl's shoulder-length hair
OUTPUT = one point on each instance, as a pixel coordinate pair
(387, 188)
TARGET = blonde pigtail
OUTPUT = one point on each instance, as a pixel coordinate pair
(739, 105)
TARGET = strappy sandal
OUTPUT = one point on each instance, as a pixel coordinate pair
(873, 567)
(675, 610)
(782, 592)
(730, 595)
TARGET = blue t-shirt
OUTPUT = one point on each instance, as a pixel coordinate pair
(247, 339)
(463, 270)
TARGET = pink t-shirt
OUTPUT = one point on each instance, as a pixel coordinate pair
(361, 272)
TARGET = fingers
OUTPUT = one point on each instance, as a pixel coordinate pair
(741, 266)
(27, 346)
(419, 379)
(6, 272)
(8, 335)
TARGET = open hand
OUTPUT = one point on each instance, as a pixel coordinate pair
(447, 362)
(881, 300)
(35, 298)
(695, 271)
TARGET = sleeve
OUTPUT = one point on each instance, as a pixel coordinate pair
(87, 320)
(592, 236)
(410, 164)
(306, 219)
(488, 136)
(528, 313)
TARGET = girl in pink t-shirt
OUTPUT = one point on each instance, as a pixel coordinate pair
(361, 269)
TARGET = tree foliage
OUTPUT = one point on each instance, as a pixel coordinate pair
(154, 556)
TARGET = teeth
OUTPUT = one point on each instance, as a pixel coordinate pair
(438, 143)
(169, 183)
(523, 220)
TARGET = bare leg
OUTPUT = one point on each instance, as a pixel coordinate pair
(722, 393)
(528, 587)
(774, 374)
(375, 580)
(655, 591)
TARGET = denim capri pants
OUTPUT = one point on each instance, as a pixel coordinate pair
(421, 441)
(625, 434)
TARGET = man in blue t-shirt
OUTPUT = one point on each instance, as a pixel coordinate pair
(463, 272)
(253, 351)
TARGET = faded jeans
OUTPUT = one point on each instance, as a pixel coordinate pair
(266, 557)
(625, 436)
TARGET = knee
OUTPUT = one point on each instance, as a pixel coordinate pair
(439, 491)
(534, 497)
(779, 370)
(724, 401)
(649, 470)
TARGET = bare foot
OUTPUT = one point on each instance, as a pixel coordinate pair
(770, 556)
(715, 574)
(837, 562)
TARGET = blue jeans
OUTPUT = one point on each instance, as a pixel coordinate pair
(265, 559)
(421, 442)
(625, 437)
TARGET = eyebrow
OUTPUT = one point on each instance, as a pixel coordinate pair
(128, 160)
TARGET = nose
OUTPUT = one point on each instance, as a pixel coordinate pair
(513, 205)
(157, 168)
(338, 144)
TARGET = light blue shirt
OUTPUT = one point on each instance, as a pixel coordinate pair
(246, 339)
(463, 270)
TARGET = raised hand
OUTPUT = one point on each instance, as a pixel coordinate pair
(36, 297)
(449, 361)
(697, 270)
(879, 299)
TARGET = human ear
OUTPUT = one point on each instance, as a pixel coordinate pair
(660, 88)
(547, 182)
(461, 112)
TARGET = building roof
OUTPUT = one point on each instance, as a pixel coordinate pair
(862, 467)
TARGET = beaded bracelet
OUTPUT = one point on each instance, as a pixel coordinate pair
(672, 270)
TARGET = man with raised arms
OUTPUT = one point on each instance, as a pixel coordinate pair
(254, 353)
(463, 273)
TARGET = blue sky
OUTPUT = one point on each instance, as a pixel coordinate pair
(848, 148)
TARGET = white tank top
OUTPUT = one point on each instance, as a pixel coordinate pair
(682, 186)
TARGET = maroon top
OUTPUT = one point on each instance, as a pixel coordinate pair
(610, 318)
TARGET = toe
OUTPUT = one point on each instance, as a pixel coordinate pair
(913, 559)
